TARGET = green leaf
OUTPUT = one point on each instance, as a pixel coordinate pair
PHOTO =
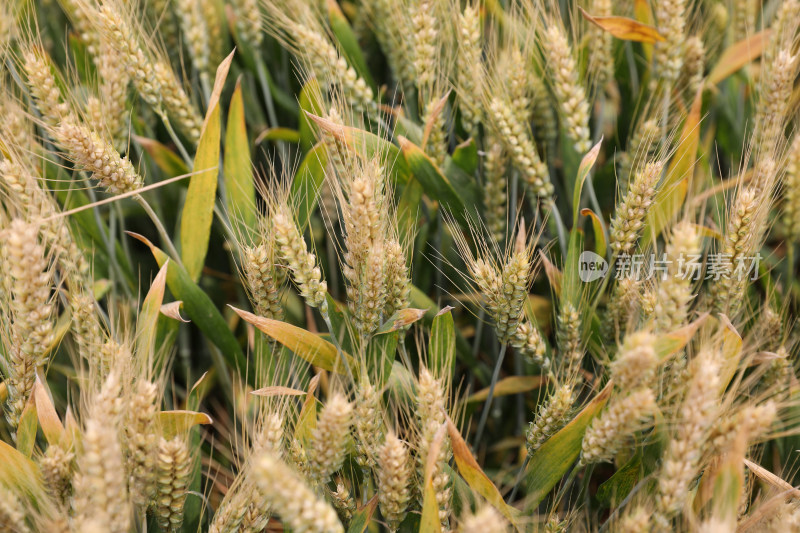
(200, 309)
(583, 172)
(148, 315)
(279, 134)
(363, 516)
(465, 156)
(381, 353)
(310, 104)
(618, 486)
(433, 182)
(198, 210)
(168, 161)
(339, 323)
(240, 191)
(571, 284)
(442, 348)
(307, 182)
(305, 344)
(368, 145)
(348, 42)
(174, 423)
(549, 463)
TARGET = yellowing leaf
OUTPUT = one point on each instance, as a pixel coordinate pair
(198, 209)
(305, 344)
(168, 161)
(148, 315)
(671, 343)
(27, 427)
(738, 55)
(429, 522)
(240, 191)
(307, 420)
(625, 28)
(173, 311)
(19, 472)
(510, 385)
(48, 418)
(277, 390)
(474, 476)
(174, 423)
(401, 319)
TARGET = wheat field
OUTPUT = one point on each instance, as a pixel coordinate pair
(399, 265)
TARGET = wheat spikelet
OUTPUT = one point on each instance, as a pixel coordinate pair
(436, 143)
(196, 31)
(545, 123)
(111, 109)
(262, 279)
(330, 68)
(430, 415)
(624, 302)
(791, 191)
(470, 73)
(669, 54)
(530, 344)
(743, 231)
(635, 521)
(745, 13)
(367, 423)
(96, 155)
(343, 502)
(517, 140)
(248, 21)
(607, 433)
(485, 520)
(393, 29)
(293, 500)
(177, 102)
(328, 443)
(675, 291)
(43, 86)
(636, 361)
(774, 101)
(394, 477)
(630, 213)
(12, 513)
(426, 33)
(100, 491)
(569, 333)
(57, 465)
(691, 76)
(398, 278)
(119, 32)
(601, 57)
(551, 416)
(28, 269)
(494, 188)
(683, 453)
(173, 471)
(302, 264)
(571, 96)
(642, 147)
(142, 441)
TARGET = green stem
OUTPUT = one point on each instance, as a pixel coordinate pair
(174, 136)
(560, 228)
(488, 405)
(162, 231)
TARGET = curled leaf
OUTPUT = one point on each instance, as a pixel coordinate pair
(173, 310)
(625, 28)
